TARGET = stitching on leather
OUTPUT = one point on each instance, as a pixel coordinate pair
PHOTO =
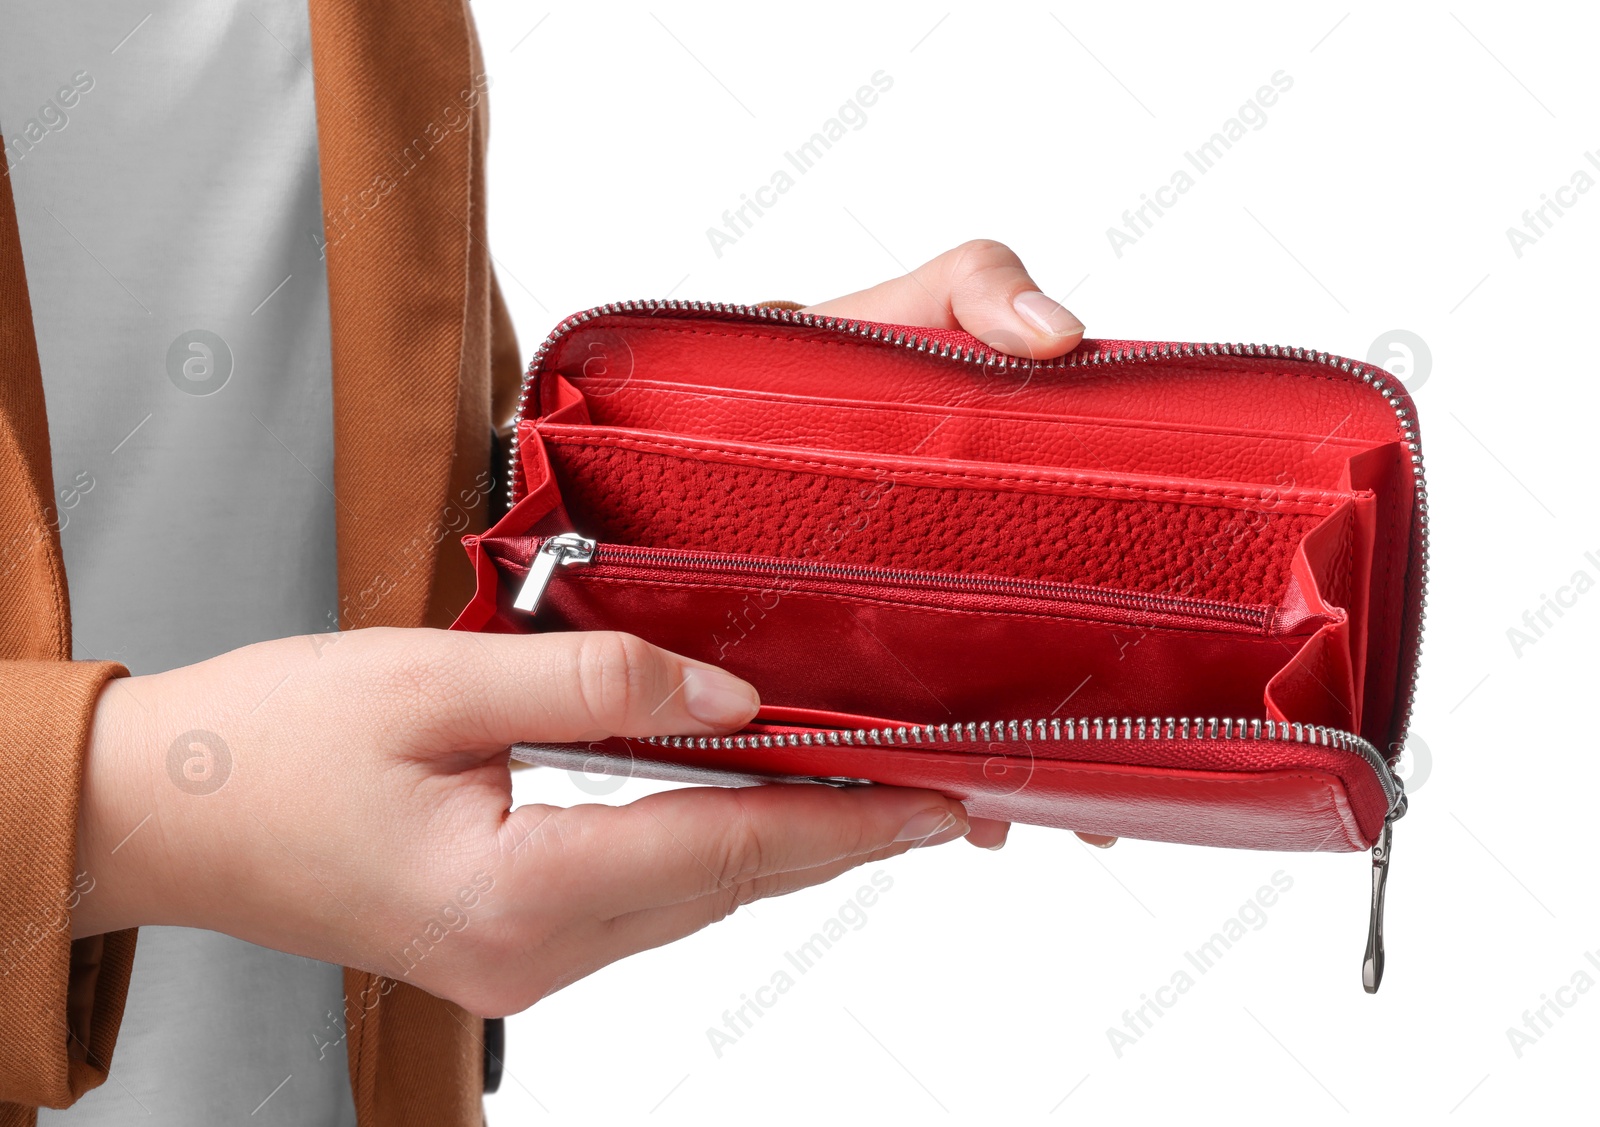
(651, 387)
(933, 478)
(859, 343)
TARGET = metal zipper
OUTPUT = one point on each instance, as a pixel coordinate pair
(1078, 729)
(569, 548)
(556, 551)
(1372, 962)
(1379, 379)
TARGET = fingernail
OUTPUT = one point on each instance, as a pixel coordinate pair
(1099, 841)
(1046, 314)
(717, 698)
(932, 827)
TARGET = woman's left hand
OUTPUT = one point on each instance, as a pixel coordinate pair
(980, 286)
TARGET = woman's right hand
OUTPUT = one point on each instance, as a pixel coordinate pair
(347, 797)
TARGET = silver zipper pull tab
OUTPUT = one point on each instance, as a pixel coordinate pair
(1372, 965)
(557, 551)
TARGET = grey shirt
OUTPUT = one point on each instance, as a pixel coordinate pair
(163, 156)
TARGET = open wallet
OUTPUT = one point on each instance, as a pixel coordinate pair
(1147, 590)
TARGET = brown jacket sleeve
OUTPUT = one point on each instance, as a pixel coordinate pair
(60, 1001)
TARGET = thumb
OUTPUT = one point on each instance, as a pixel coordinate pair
(568, 687)
(980, 286)
(993, 297)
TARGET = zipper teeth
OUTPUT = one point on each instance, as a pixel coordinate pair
(1260, 617)
(1056, 730)
(1379, 379)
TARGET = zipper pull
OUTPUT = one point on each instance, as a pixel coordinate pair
(1372, 964)
(557, 551)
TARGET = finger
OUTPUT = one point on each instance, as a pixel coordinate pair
(980, 286)
(653, 927)
(681, 845)
(580, 686)
(1099, 841)
(988, 834)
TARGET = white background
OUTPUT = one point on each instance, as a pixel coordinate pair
(1376, 197)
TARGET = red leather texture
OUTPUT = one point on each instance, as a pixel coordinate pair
(876, 534)
(1137, 535)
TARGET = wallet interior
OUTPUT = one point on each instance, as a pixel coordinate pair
(878, 532)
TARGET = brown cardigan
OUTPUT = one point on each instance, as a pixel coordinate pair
(424, 368)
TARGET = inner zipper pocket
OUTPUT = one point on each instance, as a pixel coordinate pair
(570, 549)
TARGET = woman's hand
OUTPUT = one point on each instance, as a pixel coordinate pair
(347, 797)
(980, 286)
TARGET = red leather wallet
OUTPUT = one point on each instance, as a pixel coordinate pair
(1149, 590)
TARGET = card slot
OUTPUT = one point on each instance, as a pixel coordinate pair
(1224, 541)
(1204, 390)
(990, 433)
(1330, 580)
